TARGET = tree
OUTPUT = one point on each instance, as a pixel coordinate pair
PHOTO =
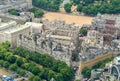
(88, 1)
(35, 70)
(13, 12)
(51, 66)
(67, 7)
(19, 61)
(79, 7)
(21, 72)
(51, 74)
(36, 78)
(6, 44)
(31, 78)
(1, 62)
(13, 67)
(11, 59)
(52, 5)
(59, 77)
(44, 73)
(68, 74)
(6, 64)
(77, 80)
(83, 31)
(76, 1)
(37, 12)
(86, 72)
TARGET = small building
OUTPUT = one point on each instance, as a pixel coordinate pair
(55, 38)
(36, 27)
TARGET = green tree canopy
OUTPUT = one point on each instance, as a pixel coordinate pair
(13, 12)
(83, 31)
(37, 12)
(19, 61)
(86, 72)
(67, 7)
(52, 5)
(13, 67)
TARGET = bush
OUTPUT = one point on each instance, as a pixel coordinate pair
(19, 61)
(11, 59)
(83, 31)
(6, 64)
(13, 12)
(67, 7)
(13, 67)
(37, 12)
(21, 72)
(1, 62)
(86, 72)
(35, 70)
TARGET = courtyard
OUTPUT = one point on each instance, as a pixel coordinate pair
(68, 18)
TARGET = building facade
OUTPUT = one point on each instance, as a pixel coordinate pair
(108, 24)
(9, 31)
(55, 38)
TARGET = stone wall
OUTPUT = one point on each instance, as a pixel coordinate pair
(43, 47)
(57, 40)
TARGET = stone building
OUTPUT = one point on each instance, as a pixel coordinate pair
(94, 38)
(55, 38)
(93, 50)
(108, 24)
(23, 17)
(16, 4)
(9, 31)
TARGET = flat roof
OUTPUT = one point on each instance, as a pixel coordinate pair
(60, 37)
(34, 24)
(13, 3)
(18, 28)
(4, 25)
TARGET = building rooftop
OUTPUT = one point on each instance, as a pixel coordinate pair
(18, 28)
(5, 25)
(60, 37)
(34, 24)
